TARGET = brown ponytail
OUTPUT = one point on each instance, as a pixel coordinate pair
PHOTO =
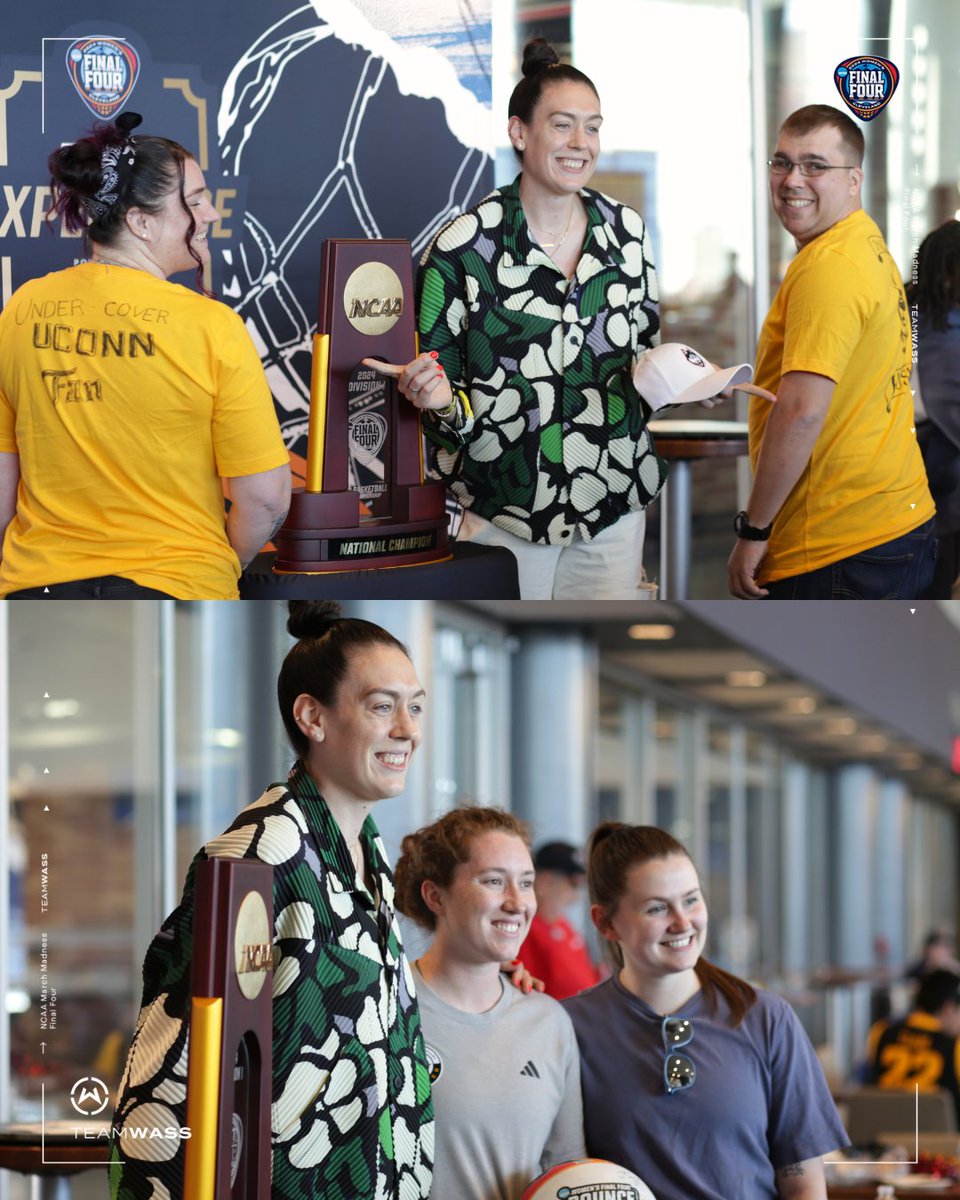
(613, 850)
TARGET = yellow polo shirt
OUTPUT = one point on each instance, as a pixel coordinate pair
(841, 312)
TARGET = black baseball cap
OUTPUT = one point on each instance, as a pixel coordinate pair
(561, 857)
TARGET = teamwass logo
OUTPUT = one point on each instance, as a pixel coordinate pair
(90, 1096)
(104, 72)
(866, 84)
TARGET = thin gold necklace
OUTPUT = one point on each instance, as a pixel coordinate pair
(112, 262)
(566, 230)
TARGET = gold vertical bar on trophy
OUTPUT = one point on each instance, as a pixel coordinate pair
(316, 434)
(203, 1097)
(416, 354)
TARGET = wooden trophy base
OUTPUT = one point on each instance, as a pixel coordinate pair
(325, 532)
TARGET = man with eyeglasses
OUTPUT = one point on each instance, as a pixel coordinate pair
(840, 507)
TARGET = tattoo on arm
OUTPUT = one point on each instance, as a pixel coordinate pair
(277, 525)
(792, 1169)
(269, 538)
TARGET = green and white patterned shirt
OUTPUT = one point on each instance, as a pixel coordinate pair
(352, 1114)
(552, 444)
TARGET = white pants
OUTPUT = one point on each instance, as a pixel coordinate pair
(607, 568)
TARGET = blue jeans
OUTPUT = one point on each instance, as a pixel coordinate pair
(897, 570)
(105, 587)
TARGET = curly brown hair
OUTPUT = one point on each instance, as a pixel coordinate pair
(436, 851)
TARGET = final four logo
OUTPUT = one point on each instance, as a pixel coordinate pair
(104, 72)
(866, 84)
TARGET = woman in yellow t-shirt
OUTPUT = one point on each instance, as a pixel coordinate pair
(126, 400)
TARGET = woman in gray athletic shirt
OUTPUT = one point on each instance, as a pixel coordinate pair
(704, 1086)
(503, 1064)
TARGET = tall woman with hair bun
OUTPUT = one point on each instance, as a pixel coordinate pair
(352, 1116)
(506, 1080)
(126, 400)
(706, 1087)
(533, 308)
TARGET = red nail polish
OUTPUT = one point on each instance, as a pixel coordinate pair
(433, 354)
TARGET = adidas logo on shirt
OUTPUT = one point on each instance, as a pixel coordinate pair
(531, 1069)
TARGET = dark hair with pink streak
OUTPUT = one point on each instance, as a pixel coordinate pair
(615, 849)
(76, 176)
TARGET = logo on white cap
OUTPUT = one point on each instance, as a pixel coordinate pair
(676, 374)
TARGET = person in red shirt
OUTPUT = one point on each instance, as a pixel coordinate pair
(554, 951)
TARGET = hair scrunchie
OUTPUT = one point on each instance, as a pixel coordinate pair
(116, 163)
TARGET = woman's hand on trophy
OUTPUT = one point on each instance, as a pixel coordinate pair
(423, 382)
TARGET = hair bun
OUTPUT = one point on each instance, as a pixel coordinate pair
(604, 830)
(127, 121)
(538, 54)
(312, 618)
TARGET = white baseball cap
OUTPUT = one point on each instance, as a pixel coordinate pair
(676, 374)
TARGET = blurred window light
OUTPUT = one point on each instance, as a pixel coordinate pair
(652, 633)
(226, 739)
(746, 679)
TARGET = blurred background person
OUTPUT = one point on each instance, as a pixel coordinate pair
(922, 1049)
(934, 297)
(939, 954)
(503, 1063)
(126, 401)
(554, 951)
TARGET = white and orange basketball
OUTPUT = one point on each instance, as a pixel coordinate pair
(590, 1179)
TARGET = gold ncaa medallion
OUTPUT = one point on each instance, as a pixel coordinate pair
(373, 298)
(253, 950)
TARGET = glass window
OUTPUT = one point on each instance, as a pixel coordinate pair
(763, 803)
(669, 808)
(469, 706)
(230, 742)
(717, 874)
(609, 760)
(84, 708)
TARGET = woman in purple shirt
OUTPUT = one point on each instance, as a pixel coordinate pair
(701, 1084)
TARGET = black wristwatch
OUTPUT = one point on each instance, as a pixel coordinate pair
(743, 529)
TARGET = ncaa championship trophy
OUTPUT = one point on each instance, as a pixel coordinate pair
(230, 1072)
(366, 503)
